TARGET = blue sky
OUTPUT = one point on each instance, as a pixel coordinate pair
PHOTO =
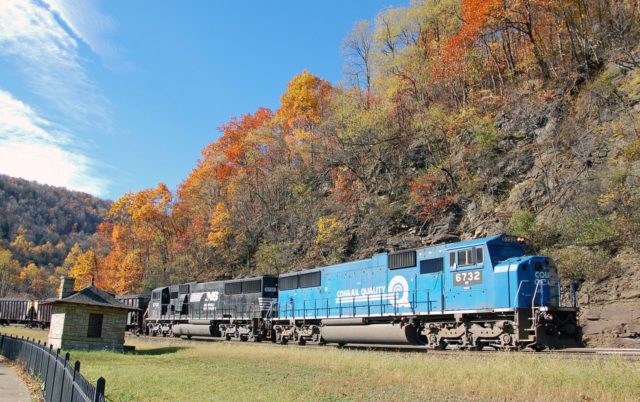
(113, 96)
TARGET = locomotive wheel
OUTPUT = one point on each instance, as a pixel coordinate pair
(302, 341)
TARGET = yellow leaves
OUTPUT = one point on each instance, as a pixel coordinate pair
(331, 238)
(9, 268)
(328, 228)
(36, 278)
(220, 229)
(129, 274)
(302, 102)
(85, 269)
(21, 244)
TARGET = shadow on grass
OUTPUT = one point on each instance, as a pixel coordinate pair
(159, 351)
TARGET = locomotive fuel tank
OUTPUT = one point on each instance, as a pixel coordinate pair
(193, 330)
(352, 331)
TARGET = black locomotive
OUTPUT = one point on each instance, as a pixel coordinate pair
(237, 308)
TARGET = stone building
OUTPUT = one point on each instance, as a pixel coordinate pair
(90, 318)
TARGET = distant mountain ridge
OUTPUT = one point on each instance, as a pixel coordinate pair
(40, 223)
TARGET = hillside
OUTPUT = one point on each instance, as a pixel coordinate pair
(39, 226)
(457, 119)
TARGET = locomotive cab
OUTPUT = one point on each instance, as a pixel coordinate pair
(159, 303)
(533, 292)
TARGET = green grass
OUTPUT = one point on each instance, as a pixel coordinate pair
(175, 370)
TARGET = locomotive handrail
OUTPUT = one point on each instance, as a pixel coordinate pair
(533, 305)
(535, 293)
(351, 306)
(515, 299)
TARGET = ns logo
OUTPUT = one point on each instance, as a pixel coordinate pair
(398, 291)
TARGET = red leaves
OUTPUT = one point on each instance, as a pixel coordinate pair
(431, 196)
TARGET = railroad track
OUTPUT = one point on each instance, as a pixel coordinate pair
(600, 351)
(586, 352)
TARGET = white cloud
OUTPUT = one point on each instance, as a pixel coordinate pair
(48, 56)
(88, 24)
(33, 148)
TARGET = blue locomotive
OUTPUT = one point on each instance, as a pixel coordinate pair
(471, 294)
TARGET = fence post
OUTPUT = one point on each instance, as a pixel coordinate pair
(41, 357)
(30, 365)
(100, 385)
(76, 370)
(55, 369)
(64, 373)
(35, 359)
(46, 374)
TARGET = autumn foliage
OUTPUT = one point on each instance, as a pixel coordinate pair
(335, 170)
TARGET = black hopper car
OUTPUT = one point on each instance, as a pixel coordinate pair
(135, 318)
(28, 312)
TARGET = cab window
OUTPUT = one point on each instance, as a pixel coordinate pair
(466, 257)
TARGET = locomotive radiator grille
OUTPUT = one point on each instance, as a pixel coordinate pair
(265, 303)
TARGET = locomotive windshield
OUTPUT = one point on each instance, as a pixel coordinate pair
(504, 252)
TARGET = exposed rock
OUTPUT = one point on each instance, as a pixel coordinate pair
(610, 309)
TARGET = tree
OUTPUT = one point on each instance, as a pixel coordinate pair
(331, 238)
(303, 102)
(85, 270)
(358, 49)
(9, 268)
(35, 280)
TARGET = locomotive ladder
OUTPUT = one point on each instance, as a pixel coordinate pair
(534, 317)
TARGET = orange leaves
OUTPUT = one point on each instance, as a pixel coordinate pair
(220, 228)
(344, 181)
(302, 103)
(241, 176)
(140, 233)
(475, 15)
(225, 156)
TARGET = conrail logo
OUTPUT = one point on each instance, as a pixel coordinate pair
(397, 292)
(399, 289)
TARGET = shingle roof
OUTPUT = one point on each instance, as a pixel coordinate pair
(93, 296)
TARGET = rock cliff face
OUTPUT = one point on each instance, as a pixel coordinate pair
(610, 308)
(570, 160)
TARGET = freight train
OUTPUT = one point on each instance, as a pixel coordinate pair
(465, 295)
(474, 294)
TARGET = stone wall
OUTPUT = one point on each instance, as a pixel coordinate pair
(57, 325)
(70, 324)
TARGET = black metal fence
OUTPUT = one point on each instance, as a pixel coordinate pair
(62, 380)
